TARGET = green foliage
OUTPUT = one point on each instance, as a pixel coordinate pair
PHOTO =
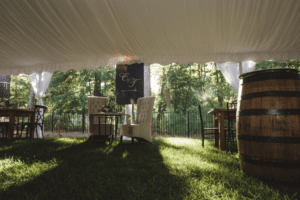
(69, 90)
(20, 90)
(175, 123)
(272, 64)
(182, 84)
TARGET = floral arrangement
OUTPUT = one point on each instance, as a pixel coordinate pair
(106, 109)
(4, 102)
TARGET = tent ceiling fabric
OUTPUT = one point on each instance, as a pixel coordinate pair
(52, 35)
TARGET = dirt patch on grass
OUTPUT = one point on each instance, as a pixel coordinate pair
(79, 134)
(198, 136)
(50, 134)
(65, 134)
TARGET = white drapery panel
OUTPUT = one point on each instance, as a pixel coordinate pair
(39, 83)
(231, 72)
(59, 35)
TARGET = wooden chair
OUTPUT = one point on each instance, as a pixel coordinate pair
(39, 110)
(231, 131)
(203, 130)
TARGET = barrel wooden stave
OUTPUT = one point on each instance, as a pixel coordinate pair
(287, 126)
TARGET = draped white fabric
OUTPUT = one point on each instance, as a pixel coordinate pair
(39, 83)
(231, 72)
(247, 66)
(59, 35)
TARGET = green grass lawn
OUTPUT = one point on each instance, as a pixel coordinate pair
(169, 168)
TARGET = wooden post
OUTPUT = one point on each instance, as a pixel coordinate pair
(222, 131)
(83, 120)
(216, 135)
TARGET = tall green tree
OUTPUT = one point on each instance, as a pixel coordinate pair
(183, 83)
(20, 90)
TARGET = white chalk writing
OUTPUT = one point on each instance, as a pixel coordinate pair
(126, 78)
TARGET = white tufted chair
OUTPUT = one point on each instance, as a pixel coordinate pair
(141, 127)
(94, 104)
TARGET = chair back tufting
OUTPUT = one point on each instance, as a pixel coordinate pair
(144, 109)
(94, 104)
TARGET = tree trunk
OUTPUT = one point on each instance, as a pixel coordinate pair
(219, 97)
(168, 97)
(161, 94)
(97, 87)
(162, 87)
(175, 102)
(104, 87)
(200, 77)
(167, 90)
(186, 98)
(31, 99)
(9, 80)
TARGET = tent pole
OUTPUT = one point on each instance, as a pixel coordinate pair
(240, 67)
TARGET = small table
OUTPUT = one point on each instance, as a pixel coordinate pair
(17, 112)
(220, 115)
(116, 115)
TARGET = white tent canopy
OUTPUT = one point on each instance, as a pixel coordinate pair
(52, 35)
(60, 35)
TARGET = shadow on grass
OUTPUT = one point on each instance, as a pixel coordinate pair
(213, 155)
(64, 168)
(80, 169)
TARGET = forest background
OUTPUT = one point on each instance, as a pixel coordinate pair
(178, 87)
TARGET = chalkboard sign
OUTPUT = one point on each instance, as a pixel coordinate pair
(129, 83)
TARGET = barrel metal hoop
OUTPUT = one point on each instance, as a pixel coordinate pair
(271, 94)
(269, 112)
(268, 71)
(288, 140)
(276, 163)
(271, 76)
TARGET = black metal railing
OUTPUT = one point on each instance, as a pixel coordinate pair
(165, 123)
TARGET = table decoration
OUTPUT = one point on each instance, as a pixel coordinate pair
(106, 109)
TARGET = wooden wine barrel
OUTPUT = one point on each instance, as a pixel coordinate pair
(268, 124)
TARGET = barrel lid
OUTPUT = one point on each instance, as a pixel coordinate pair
(280, 70)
